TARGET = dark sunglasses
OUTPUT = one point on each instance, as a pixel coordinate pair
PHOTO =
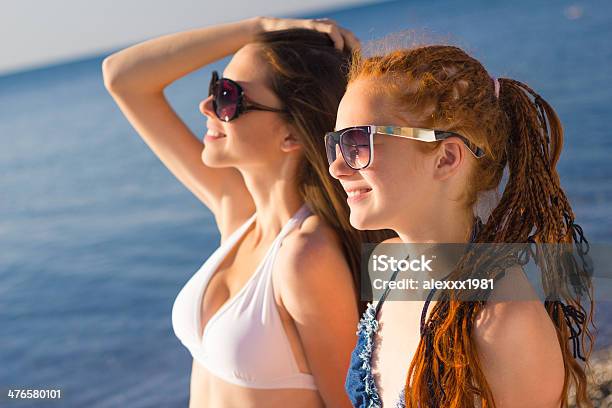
(229, 100)
(357, 143)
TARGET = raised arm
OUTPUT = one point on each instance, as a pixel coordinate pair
(136, 78)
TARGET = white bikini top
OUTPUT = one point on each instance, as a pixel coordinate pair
(244, 342)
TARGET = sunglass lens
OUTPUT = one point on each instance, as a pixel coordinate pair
(212, 86)
(355, 147)
(226, 100)
(331, 141)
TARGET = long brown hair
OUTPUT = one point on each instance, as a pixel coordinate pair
(308, 74)
(448, 89)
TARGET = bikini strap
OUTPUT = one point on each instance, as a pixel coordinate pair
(386, 292)
(298, 217)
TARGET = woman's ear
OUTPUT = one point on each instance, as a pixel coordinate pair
(449, 158)
(290, 142)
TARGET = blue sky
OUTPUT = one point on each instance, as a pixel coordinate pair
(36, 33)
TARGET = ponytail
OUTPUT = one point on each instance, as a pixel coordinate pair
(445, 370)
(536, 138)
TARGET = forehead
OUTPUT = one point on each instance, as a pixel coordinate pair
(248, 68)
(366, 103)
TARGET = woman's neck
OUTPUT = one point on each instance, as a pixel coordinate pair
(276, 201)
(450, 225)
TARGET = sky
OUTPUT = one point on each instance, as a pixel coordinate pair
(36, 33)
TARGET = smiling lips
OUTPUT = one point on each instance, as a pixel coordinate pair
(357, 194)
(353, 193)
(213, 135)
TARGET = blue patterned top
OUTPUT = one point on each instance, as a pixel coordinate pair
(360, 384)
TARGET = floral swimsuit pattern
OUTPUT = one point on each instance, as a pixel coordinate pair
(360, 384)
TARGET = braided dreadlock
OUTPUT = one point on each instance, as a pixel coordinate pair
(519, 130)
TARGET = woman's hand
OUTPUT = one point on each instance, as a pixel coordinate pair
(340, 36)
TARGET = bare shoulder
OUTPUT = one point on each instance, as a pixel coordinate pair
(313, 285)
(520, 353)
(312, 240)
(311, 261)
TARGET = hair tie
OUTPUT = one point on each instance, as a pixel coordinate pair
(496, 83)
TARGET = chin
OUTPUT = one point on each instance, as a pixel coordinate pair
(369, 219)
(361, 220)
(214, 160)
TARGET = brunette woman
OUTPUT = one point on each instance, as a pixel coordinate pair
(270, 317)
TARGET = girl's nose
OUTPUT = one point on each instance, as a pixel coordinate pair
(206, 107)
(338, 168)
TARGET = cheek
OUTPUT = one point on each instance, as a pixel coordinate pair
(398, 176)
(248, 141)
(237, 148)
(392, 169)
(387, 185)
